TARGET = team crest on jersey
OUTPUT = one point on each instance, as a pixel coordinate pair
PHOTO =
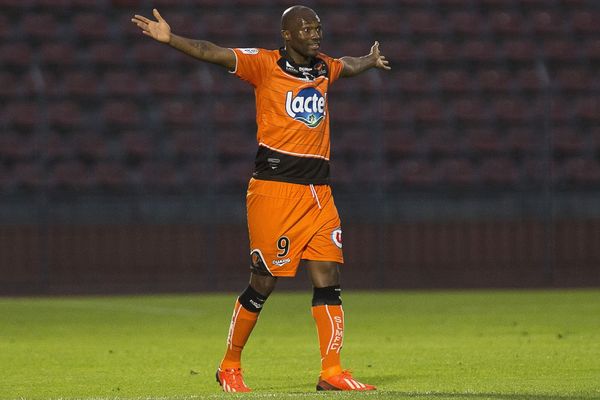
(336, 237)
(308, 106)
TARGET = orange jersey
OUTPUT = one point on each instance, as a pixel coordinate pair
(291, 113)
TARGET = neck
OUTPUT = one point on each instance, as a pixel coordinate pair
(297, 57)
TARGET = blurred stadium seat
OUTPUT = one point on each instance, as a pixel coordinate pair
(467, 102)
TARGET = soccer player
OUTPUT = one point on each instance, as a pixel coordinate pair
(290, 209)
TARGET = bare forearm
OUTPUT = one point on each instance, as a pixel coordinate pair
(200, 49)
(357, 65)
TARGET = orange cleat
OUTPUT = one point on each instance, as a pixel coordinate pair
(231, 380)
(343, 381)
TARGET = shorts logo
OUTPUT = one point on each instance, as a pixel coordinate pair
(308, 106)
(249, 50)
(281, 262)
(336, 237)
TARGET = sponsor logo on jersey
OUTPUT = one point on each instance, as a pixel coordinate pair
(281, 262)
(336, 237)
(308, 106)
(249, 50)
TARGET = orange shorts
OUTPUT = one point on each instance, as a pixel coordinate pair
(288, 222)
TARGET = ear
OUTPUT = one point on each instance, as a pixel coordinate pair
(286, 35)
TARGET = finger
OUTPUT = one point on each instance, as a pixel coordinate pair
(141, 18)
(141, 24)
(376, 45)
(157, 15)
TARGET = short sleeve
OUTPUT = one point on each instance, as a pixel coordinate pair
(251, 64)
(335, 69)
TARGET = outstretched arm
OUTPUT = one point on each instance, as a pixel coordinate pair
(356, 65)
(200, 49)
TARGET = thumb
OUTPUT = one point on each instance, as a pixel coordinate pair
(375, 47)
(157, 15)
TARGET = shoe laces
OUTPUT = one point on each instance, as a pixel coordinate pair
(235, 374)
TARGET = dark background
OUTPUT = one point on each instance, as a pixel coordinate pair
(475, 162)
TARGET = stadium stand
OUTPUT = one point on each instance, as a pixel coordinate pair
(477, 93)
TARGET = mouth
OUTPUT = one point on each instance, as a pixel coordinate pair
(314, 46)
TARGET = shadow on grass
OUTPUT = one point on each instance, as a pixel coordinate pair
(498, 396)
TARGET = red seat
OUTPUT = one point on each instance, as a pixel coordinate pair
(184, 23)
(137, 145)
(582, 171)
(91, 26)
(40, 26)
(9, 86)
(485, 141)
(60, 55)
(417, 173)
(221, 25)
(430, 112)
(507, 23)
(456, 172)
(159, 176)
(16, 147)
(519, 50)
(121, 83)
(548, 22)
(412, 82)
(467, 23)
(107, 54)
(149, 53)
(444, 143)
(574, 79)
(513, 111)
(189, 143)
(179, 113)
(494, 80)
(5, 27)
(470, 111)
(29, 176)
(81, 84)
(524, 141)
(163, 83)
(199, 174)
(401, 143)
(65, 115)
(22, 115)
(561, 50)
(424, 23)
(442, 52)
(499, 171)
(121, 114)
(585, 22)
(58, 147)
(341, 22)
(70, 175)
(588, 110)
(110, 175)
(592, 50)
(258, 23)
(399, 51)
(530, 81)
(235, 145)
(91, 146)
(479, 51)
(380, 23)
(16, 55)
(566, 141)
(455, 82)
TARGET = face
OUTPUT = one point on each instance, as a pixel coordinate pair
(305, 36)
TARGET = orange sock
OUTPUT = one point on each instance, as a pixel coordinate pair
(330, 327)
(242, 323)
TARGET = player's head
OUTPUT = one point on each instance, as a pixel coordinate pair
(301, 30)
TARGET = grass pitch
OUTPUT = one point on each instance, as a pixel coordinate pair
(424, 345)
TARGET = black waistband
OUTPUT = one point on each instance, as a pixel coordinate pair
(271, 165)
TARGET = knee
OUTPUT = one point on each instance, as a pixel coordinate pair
(330, 295)
(263, 284)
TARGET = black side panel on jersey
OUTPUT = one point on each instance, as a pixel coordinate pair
(271, 165)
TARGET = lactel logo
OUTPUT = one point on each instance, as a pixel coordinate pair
(307, 106)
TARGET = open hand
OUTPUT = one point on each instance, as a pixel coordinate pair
(380, 61)
(158, 30)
